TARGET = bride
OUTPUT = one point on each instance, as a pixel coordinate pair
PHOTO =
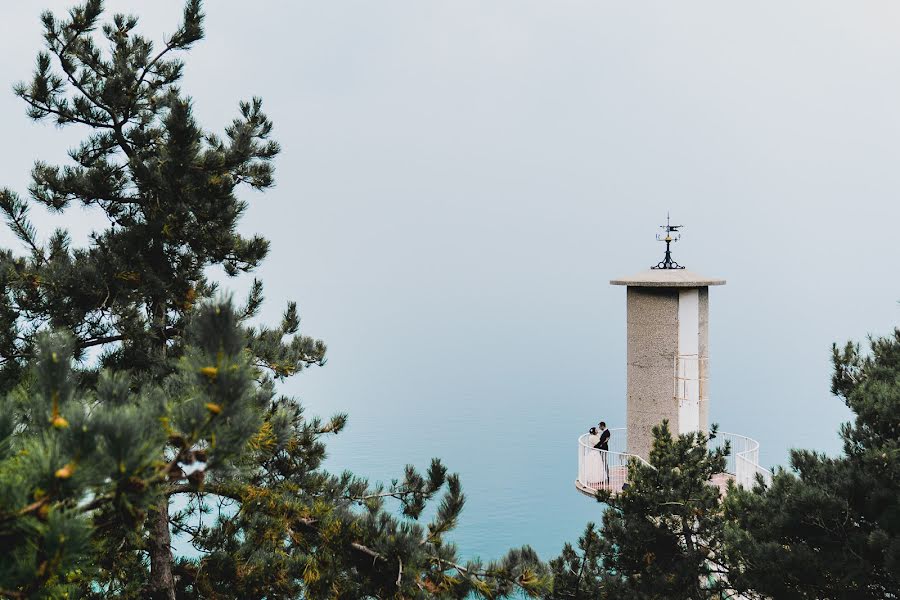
(593, 461)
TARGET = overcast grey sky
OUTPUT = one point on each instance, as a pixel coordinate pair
(461, 179)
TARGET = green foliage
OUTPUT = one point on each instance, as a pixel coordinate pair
(180, 408)
(167, 188)
(828, 529)
(831, 529)
(580, 573)
(662, 536)
(80, 462)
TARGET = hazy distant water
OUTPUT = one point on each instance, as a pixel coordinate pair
(505, 410)
(517, 469)
(517, 463)
(510, 426)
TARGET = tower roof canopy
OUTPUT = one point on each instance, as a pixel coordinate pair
(667, 278)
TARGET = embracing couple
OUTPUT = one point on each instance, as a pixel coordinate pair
(599, 437)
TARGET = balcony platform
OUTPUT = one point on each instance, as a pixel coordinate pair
(618, 476)
(608, 470)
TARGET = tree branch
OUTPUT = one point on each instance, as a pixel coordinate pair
(67, 117)
(118, 338)
(71, 77)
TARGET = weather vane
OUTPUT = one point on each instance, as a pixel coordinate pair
(667, 262)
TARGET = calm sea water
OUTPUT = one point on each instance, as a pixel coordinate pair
(510, 428)
(501, 390)
(517, 465)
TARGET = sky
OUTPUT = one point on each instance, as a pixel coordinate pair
(460, 180)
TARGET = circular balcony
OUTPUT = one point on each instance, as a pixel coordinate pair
(608, 470)
(604, 469)
(742, 463)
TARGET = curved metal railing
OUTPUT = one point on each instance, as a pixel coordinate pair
(608, 470)
(743, 461)
(604, 469)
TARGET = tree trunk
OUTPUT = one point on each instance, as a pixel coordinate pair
(162, 580)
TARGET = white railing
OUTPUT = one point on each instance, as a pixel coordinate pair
(604, 469)
(742, 462)
(608, 470)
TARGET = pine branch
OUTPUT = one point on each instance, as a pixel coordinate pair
(31, 508)
(17, 216)
(66, 67)
(63, 117)
(169, 332)
(314, 526)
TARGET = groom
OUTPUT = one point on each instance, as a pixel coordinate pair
(603, 445)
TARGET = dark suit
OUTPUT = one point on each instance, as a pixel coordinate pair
(603, 446)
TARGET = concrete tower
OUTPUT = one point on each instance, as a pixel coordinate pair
(668, 373)
(668, 348)
(668, 351)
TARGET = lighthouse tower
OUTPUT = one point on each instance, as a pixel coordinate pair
(668, 348)
(668, 375)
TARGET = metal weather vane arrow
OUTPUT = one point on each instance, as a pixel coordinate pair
(667, 262)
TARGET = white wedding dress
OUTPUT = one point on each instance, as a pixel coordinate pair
(594, 464)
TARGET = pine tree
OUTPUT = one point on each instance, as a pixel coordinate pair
(579, 573)
(662, 537)
(831, 528)
(182, 401)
